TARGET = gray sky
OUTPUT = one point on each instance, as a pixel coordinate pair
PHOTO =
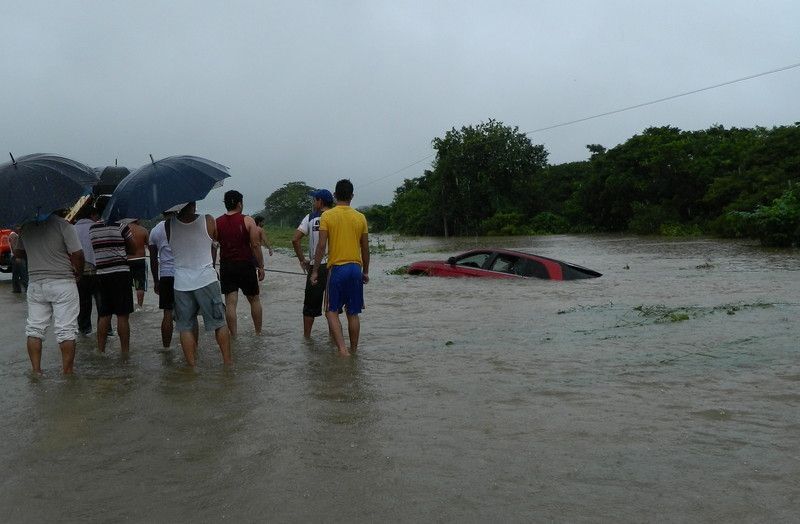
(316, 91)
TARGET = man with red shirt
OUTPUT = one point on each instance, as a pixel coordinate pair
(241, 263)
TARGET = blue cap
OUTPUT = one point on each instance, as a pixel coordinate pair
(323, 194)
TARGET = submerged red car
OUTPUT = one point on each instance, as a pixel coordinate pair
(501, 263)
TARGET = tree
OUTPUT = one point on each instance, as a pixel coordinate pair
(482, 170)
(288, 204)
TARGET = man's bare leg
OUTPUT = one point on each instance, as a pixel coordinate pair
(308, 323)
(255, 311)
(189, 346)
(335, 328)
(354, 330)
(166, 328)
(124, 332)
(231, 300)
(67, 355)
(224, 341)
(140, 297)
(35, 353)
(103, 325)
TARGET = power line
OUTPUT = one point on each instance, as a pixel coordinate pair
(614, 112)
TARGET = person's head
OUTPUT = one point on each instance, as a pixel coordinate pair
(259, 220)
(232, 199)
(100, 204)
(322, 199)
(87, 211)
(188, 211)
(344, 190)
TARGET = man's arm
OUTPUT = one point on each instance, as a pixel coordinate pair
(365, 257)
(255, 244)
(154, 265)
(130, 240)
(298, 250)
(321, 246)
(211, 226)
(77, 260)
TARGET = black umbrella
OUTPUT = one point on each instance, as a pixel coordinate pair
(33, 186)
(110, 177)
(162, 184)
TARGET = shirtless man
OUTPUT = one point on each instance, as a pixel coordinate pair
(264, 238)
(137, 260)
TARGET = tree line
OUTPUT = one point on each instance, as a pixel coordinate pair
(490, 179)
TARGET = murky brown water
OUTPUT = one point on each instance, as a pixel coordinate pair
(665, 391)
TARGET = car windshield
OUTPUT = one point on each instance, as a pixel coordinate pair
(473, 260)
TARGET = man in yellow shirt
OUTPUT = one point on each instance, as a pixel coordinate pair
(344, 231)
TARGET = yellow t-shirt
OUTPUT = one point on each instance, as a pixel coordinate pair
(345, 226)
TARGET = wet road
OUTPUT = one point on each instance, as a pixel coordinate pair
(667, 390)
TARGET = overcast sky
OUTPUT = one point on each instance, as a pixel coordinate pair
(317, 91)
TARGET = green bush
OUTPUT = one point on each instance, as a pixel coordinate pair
(648, 219)
(504, 224)
(778, 224)
(547, 223)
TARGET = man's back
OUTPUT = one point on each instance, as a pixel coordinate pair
(234, 238)
(47, 245)
(345, 226)
(140, 236)
(110, 248)
(191, 249)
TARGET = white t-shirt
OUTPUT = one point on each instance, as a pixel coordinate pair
(310, 227)
(166, 262)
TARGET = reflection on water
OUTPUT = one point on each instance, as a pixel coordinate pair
(668, 388)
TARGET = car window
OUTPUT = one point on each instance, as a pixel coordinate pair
(530, 268)
(505, 264)
(474, 260)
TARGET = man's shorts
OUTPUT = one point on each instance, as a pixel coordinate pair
(237, 275)
(138, 274)
(345, 288)
(206, 301)
(166, 293)
(57, 300)
(312, 304)
(115, 295)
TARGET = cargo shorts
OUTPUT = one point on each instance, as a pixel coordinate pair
(206, 301)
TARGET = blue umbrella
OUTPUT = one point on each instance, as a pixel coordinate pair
(162, 184)
(33, 186)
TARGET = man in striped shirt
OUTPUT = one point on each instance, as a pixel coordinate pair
(111, 243)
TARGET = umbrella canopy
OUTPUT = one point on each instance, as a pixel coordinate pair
(162, 184)
(110, 177)
(36, 185)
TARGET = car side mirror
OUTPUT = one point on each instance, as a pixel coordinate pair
(451, 261)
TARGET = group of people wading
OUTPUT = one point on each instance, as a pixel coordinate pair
(72, 266)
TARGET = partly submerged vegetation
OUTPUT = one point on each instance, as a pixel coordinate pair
(490, 179)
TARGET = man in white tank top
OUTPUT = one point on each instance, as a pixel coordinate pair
(192, 238)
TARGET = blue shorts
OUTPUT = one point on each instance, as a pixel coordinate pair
(345, 289)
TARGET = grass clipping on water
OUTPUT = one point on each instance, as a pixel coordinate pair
(661, 314)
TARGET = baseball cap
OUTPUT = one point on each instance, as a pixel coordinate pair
(323, 194)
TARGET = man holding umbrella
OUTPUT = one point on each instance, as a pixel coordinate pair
(192, 238)
(35, 187)
(55, 261)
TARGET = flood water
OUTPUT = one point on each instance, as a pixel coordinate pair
(667, 390)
